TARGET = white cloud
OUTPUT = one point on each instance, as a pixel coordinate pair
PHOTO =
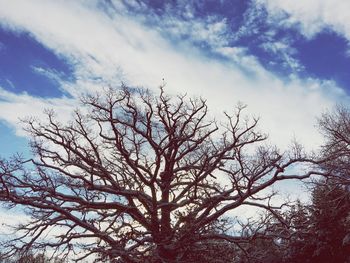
(107, 49)
(14, 107)
(8, 217)
(283, 51)
(312, 16)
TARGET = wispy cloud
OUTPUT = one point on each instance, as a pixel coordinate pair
(109, 44)
(49, 73)
(312, 16)
(14, 107)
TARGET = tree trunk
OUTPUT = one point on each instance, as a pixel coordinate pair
(167, 253)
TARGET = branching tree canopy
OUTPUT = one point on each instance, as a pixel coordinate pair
(140, 177)
(335, 126)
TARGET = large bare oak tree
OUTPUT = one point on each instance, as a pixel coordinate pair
(140, 178)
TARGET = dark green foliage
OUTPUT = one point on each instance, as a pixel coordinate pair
(317, 233)
(330, 211)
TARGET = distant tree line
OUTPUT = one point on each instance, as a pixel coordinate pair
(32, 258)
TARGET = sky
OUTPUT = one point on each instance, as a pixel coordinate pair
(287, 60)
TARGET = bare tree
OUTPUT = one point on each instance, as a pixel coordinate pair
(335, 126)
(140, 178)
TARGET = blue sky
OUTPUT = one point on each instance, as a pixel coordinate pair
(287, 60)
